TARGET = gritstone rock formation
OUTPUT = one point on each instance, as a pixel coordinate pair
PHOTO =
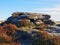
(23, 28)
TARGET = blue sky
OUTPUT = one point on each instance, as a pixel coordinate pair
(52, 7)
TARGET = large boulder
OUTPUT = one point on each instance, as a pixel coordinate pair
(36, 24)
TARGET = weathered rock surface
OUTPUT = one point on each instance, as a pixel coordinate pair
(23, 28)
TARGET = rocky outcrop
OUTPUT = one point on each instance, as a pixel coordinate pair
(28, 29)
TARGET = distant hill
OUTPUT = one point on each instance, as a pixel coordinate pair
(1, 21)
(57, 22)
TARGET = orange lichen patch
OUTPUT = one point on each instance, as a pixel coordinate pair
(12, 27)
(7, 38)
(10, 43)
(2, 30)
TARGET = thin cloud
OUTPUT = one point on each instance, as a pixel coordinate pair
(54, 12)
(48, 9)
